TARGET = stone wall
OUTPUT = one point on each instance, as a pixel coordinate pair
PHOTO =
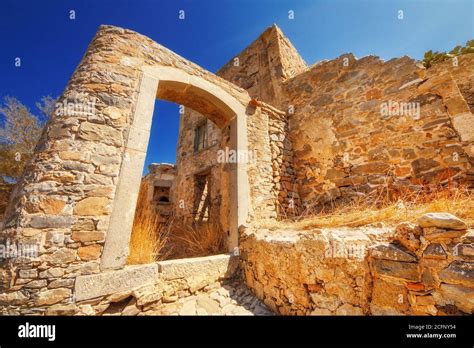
(158, 184)
(423, 269)
(64, 202)
(271, 171)
(462, 71)
(262, 66)
(135, 290)
(260, 172)
(284, 187)
(356, 127)
(191, 163)
(332, 141)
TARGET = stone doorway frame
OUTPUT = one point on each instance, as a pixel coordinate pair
(160, 82)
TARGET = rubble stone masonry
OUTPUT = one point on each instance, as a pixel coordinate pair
(333, 131)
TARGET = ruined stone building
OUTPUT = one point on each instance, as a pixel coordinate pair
(358, 148)
(318, 134)
(159, 187)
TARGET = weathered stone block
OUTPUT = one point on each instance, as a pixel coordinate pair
(13, 298)
(389, 298)
(100, 133)
(62, 309)
(28, 273)
(53, 296)
(466, 250)
(37, 284)
(408, 235)
(347, 309)
(61, 283)
(442, 220)
(106, 283)
(88, 236)
(421, 165)
(396, 269)
(435, 233)
(92, 206)
(458, 272)
(435, 251)
(50, 221)
(90, 252)
(391, 252)
(52, 273)
(62, 256)
(457, 295)
(215, 267)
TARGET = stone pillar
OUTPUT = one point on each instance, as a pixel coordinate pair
(63, 203)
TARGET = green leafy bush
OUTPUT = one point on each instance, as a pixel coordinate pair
(431, 57)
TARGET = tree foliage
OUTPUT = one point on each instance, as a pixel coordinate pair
(431, 57)
(20, 130)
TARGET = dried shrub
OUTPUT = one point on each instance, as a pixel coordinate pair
(390, 206)
(188, 239)
(149, 238)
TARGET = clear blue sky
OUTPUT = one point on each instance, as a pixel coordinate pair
(51, 45)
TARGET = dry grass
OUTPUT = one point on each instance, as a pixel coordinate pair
(149, 238)
(194, 240)
(390, 209)
(153, 240)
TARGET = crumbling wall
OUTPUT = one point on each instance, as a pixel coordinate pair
(461, 69)
(262, 66)
(358, 125)
(418, 269)
(284, 186)
(271, 172)
(158, 185)
(153, 289)
(191, 162)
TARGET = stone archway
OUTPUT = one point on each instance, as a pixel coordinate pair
(175, 85)
(75, 202)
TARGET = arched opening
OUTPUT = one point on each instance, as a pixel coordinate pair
(207, 99)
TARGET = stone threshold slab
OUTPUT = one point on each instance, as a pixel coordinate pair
(109, 282)
(216, 266)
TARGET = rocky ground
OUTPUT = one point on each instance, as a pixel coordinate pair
(229, 298)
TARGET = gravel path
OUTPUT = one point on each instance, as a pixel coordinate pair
(232, 298)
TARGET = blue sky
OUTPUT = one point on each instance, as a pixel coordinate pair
(51, 45)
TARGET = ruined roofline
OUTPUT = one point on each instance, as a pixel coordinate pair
(273, 32)
(368, 59)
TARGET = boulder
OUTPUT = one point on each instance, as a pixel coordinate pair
(403, 270)
(408, 235)
(442, 220)
(52, 296)
(435, 251)
(435, 233)
(458, 272)
(391, 252)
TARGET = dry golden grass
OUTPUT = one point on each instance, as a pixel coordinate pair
(153, 240)
(389, 209)
(194, 240)
(148, 239)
